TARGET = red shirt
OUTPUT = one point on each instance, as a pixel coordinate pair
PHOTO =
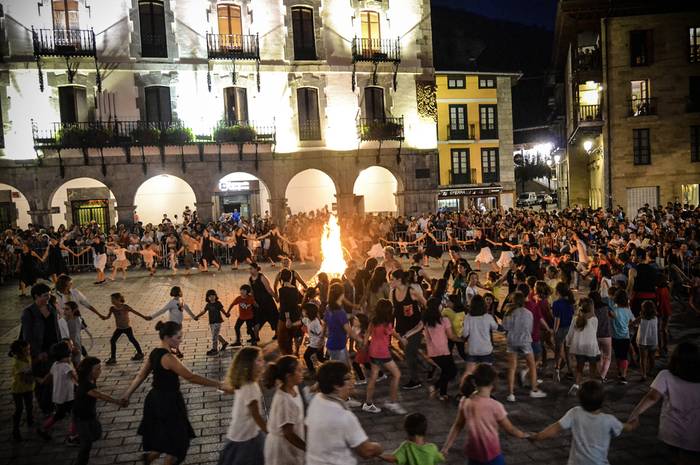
(537, 308)
(663, 297)
(245, 307)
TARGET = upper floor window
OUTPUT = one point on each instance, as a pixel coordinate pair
(641, 146)
(229, 19)
(489, 165)
(460, 170)
(694, 51)
(694, 143)
(72, 104)
(488, 121)
(374, 103)
(309, 116)
(641, 47)
(641, 102)
(152, 19)
(158, 107)
(487, 82)
(303, 33)
(65, 14)
(456, 82)
(458, 122)
(2, 129)
(236, 105)
(693, 93)
(371, 29)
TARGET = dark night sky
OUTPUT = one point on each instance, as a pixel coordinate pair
(531, 12)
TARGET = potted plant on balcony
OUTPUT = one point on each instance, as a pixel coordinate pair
(70, 136)
(234, 134)
(97, 136)
(145, 136)
(176, 135)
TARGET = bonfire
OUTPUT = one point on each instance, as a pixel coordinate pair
(333, 263)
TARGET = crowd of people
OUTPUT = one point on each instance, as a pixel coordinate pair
(567, 292)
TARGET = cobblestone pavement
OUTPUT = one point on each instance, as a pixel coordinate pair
(209, 412)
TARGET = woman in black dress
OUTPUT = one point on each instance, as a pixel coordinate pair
(241, 253)
(264, 298)
(27, 268)
(205, 244)
(165, 426)
(275, 252)
(432, 246)
(289, 326)
(56, 263)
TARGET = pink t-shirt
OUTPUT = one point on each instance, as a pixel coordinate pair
(482, 415)
(537, 309)
(380, 338)
(436, 338)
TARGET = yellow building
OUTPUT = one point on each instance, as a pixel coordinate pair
(475, 139)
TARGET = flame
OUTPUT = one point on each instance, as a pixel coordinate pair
(333, 263)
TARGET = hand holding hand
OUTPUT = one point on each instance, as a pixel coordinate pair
(124, 401)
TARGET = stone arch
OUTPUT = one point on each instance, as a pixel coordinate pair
(310, 189)
(257, 202)
(9, 194)
(91, 189)
(163, 193)
(378, 186)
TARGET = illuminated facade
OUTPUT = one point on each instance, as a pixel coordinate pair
(475, 139)
(629, 93)
(122, 90)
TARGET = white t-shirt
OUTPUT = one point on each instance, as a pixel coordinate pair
(243, 426)
(590, 435)
(332, 433)
(648, 335)
(584, 341)
(478, 330)
(679, 422)
(315, 331)
(63, 387)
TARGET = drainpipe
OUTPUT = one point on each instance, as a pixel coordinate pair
(607, 153)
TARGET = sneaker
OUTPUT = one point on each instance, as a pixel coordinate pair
(111, 361)
(370, 408)
(352, 403)
(622, 380)
(73, 441)
(510, 398)
(538, 394)
(539, 381)
(360, 382)
(411, 385)
(522, 377)
(224, 345)
(557, 376)
(212, 352)
(573, 390)
(138, 356)
(395, 407)
(384, 377)
(603, 380)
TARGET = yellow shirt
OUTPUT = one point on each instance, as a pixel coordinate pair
(22, 379)
(456, 320)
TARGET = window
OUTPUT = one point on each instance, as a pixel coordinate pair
(694, 143)
(371, 32)
(487, 82)
(460, 167)
(456, 82)
(309, 118)
(236, 105)
(458, 122)
(152, 19)
(2, 129)
(303, 33)
(641, 47)
(65, 14)
(230, 26)
(488, 121)
(158, 104)
(72, 104)
(641, 146)
(374, 103)
(489, 165)
(694, 51)
(694, 93)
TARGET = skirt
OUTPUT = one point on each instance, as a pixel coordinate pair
(248, 452)
(99, 261)
(121, 264)
(484, 256)
(434, 251)
(505, 259)
(165, 427)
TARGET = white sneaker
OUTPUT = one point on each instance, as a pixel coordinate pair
(573, 390)
(352, 403)
(370, 408)
(360, 382)
(384, 377)
(395, 407)
(538, 394)
(510, 398)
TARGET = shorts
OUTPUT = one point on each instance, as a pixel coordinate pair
(339, 355)
(380, 361)
(621, 348)
(648, 348)
(536, 347)
(488, 358)
(498, 460)
(520, 349)
(581, 359)
(561, 335)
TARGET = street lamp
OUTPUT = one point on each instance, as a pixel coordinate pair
(587, 145)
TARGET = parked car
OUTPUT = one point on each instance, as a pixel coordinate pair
(526, 199)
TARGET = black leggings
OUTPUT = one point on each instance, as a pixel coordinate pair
(250, 329)
(117, 334)
(460, 348)
(22, 401)
(310, 351)
(448, 371)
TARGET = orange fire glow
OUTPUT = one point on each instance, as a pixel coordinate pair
(333, 263)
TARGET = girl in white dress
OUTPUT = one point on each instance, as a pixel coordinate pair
(284, 444)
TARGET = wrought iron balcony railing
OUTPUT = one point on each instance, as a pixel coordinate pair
(233, 47)
(376, 50)
(589, 113)
(467, 133)
(64, 42)
(642, 106)
(380, 128)
(242, 131)
(587, 59)
(462, 178)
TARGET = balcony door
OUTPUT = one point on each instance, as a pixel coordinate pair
(303, 32)
(236, 105)
(371, 31)
(152, 19)
(158, 109)
(374, 104)
(65, 14)
(488, 121)
(639, 90)
(72, 103)
(460, 166)
(309, 116)
(458, 122)
(230, 25)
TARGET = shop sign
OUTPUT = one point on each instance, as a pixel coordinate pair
(470, 192)
(234, 186)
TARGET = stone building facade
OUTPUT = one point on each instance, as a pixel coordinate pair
(122, 90)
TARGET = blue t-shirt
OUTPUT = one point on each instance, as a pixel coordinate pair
(335, 320)
(562, 309)
(621, 322)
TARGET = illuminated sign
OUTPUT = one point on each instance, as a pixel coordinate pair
(234, 186)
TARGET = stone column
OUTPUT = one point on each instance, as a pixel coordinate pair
(278, 211)
(204, 211)
(346, 204)
(125, 214)
(41, 217)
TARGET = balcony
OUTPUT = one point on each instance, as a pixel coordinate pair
(642, 106)
(380, 129)
(233, 47)
(587, 59)
(376, 50)
(468, 133)
(309, 130)
(589, 114)
(694, 53)
(462, 178)
(64, 42)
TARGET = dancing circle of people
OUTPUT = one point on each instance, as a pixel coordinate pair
(571, 292)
